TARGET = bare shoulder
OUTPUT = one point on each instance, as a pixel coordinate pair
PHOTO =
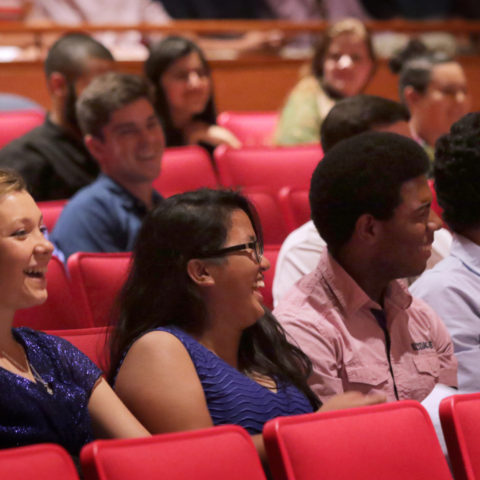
(158, 344)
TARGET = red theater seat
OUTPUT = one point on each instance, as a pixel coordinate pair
(253, 129)
(96, 279)
(391, 441)
(44, 461)
(460, 418)
(217, 453)
(14, 124)
(184, 169)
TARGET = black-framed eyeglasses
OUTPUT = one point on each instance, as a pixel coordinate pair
(255, 246)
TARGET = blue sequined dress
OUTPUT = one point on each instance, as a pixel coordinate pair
(29, 414)
(234, 398)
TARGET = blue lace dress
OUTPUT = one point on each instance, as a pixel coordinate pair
(234, 398)
(29, 413)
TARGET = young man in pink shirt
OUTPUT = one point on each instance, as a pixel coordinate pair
(352, 316)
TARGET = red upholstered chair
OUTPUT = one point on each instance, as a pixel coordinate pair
(59, 311)
(51, 210)
(96, 279)
(185, 168)
(224, 452)
(14, 124)
(44, 461)
(435, 206)
(253, 129)
(391, 441)
(460, 418)
(271, 252)
(295, 207)
(272, 167)
(266, 204)
(91, 341)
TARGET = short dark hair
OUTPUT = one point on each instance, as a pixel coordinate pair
(162, 56)
(360, 113)
(344, 26)
(457, 172)
(414, 65)
(68, 54)
(106, 94)
(159, 291)
(359, 175)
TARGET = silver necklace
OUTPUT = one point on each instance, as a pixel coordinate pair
(35, 374)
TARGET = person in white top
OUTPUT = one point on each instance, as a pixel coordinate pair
(301, 250)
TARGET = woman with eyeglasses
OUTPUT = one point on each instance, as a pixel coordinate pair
(193, 346)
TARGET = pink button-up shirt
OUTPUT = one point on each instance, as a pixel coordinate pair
(329, 317)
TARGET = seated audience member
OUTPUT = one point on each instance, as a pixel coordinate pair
(52, 158)
(51, 391)
(452, 287)
(356, 321)
(183, 88)
(192, 347)
(124, 134)
(343, 63)
(128, 44)
(434, 88)
(301, 250)
(132, 44)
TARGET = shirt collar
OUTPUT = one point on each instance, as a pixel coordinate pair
(129, 201)
(350, 295)
(467, 252)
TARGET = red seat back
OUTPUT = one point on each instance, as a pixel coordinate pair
(273, 167)
(96, 279)
(460, 418)
(51, 210)
(435, 206)
(43, 461)
(14, 124)
(59, 311)
(295, 207)
(272, 221)
(91, 341)
(184, 169)
(271, 252)
(253, 129)
(224, 452)
(391, 441)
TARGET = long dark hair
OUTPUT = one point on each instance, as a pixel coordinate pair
(159, 292)
(162, 56)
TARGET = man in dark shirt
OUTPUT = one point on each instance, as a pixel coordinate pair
(52, 157)
(124, 134)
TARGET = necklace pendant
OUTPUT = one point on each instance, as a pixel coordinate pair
(48, 388)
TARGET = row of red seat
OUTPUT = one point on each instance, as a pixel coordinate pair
(84, 297)
(391, 441)
(251, 128)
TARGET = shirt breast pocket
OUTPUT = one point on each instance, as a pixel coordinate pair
(366, 376)
(427, 365)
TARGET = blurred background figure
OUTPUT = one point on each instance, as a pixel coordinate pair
(52, 158)
(343, 63)
(183, 89)
(434, 88)
(451, 288)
